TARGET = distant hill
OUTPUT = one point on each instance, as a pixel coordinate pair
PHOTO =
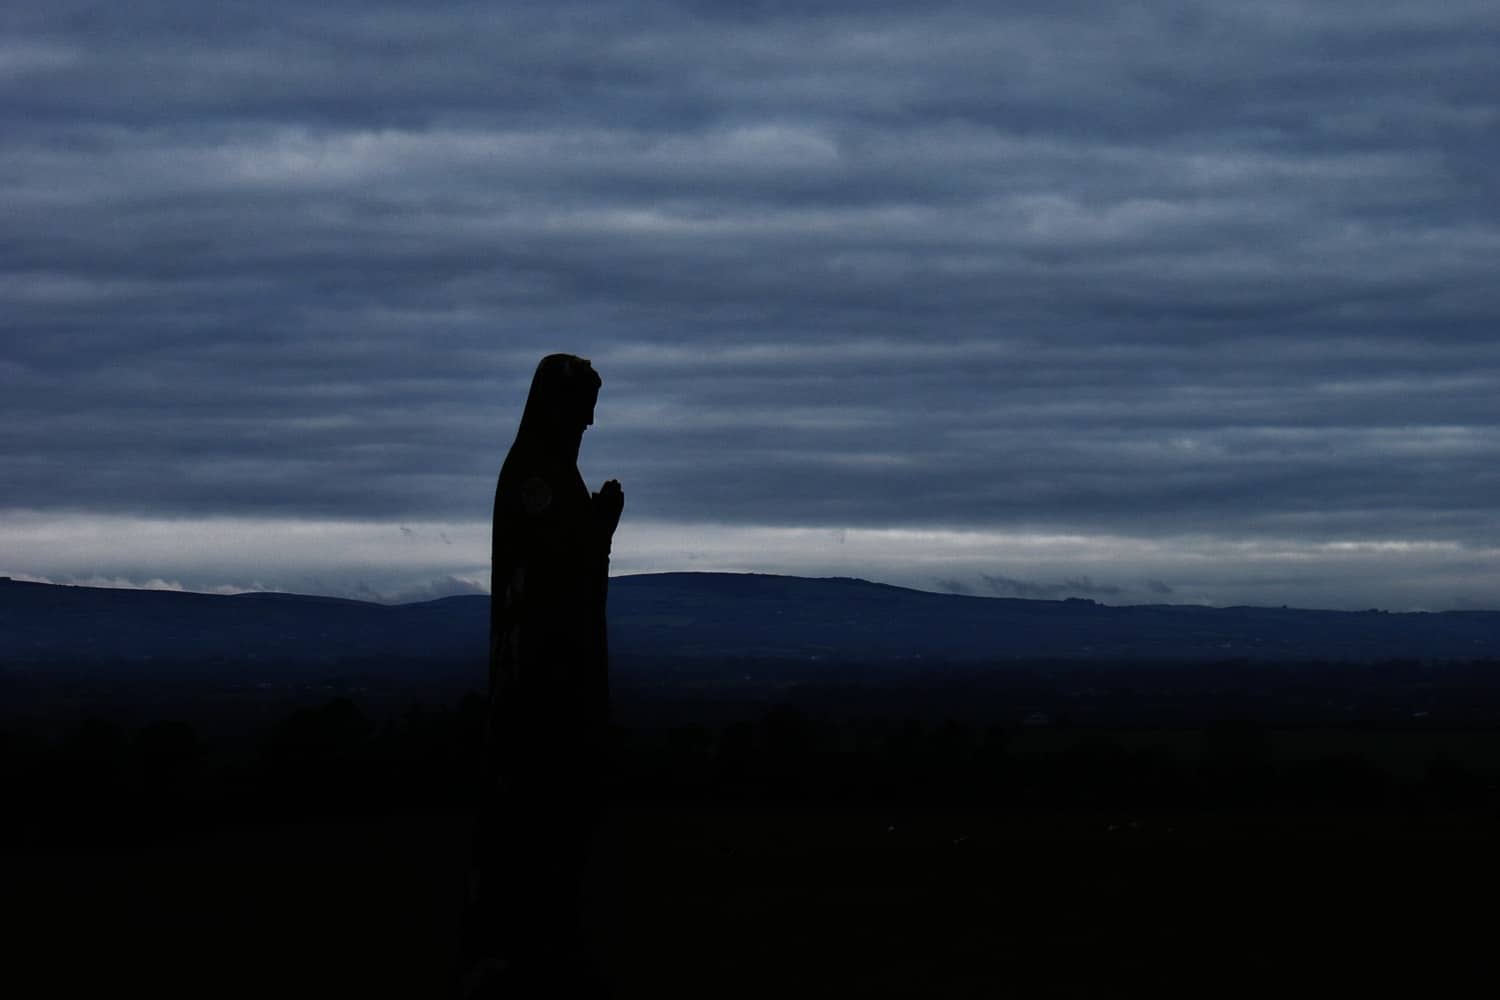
(710, 615)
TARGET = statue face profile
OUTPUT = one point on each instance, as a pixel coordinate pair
(560, 406)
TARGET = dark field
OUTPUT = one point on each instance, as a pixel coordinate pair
(813, 847)
(704, 900)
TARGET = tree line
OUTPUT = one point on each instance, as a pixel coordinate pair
(101, 781)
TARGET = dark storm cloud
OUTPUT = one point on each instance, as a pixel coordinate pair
(1217, 268)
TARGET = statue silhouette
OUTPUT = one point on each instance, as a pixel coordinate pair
(548, 697)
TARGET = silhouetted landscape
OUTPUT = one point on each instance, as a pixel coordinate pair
(902, 791)
(362, 365)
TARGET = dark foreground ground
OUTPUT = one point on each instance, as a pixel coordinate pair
(738, 901)
(1042, 830)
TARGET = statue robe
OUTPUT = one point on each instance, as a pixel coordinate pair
(549, 687)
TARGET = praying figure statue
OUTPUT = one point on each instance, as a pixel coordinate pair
(548, 697)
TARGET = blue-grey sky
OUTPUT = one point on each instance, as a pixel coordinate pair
(1161, 301)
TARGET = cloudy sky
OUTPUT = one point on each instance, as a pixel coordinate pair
(1158, 301)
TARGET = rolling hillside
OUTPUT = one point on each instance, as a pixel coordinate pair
(705, 615)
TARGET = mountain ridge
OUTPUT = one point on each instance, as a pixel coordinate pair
(709, 615)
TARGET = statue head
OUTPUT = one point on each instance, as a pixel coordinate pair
(560, 405)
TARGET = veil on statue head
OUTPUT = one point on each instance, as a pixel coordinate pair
(563, 393)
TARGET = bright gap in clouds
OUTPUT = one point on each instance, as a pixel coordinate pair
(410, 561)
